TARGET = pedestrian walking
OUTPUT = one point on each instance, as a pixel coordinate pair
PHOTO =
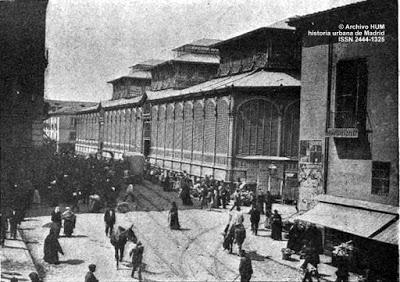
(236, 199)
(295, 236)
(210, 198)
(237, 216)
(240, 235)
(90, 277)
(245, 267)
(314, 236)
(75, 200)
(203, 196)
(69, 221)
(109, 220)
(260, 200)
(173, 219)
(137, 257)
(254, 219)
(4, 227)
(224, 196)
(311, 261)
(56, 215)
(13, 224)
(276, 226)
(51, 248)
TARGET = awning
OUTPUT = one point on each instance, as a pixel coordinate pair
(360, 222)
(389, 235)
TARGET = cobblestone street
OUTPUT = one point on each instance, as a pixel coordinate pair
(195, 253)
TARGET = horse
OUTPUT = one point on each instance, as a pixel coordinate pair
(119, 238)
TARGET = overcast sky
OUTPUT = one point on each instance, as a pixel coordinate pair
(93, 41)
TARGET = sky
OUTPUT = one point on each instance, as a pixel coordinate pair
(91, 42)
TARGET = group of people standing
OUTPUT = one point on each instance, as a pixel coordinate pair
(52, 246)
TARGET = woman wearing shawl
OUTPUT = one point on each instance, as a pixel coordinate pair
(56, 221)
(173, 219)
(52, 248)
(69, 222)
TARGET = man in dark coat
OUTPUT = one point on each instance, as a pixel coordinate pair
(90, 277)
(224, 196)
(109, 220)
(245, 267)
(295, 237)
(311, 261)
(314, 236)
(137, 256)
(260, 200)
(276, 226)
(254, 219)
(52, 248)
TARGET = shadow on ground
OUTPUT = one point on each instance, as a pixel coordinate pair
(72, 261)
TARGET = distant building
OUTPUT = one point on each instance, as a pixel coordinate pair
(349, 147)
(22, 73)
(60, 126)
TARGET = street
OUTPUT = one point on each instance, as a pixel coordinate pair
(194, 253)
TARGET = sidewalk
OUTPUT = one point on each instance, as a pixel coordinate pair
(325, 269)
(16, 260)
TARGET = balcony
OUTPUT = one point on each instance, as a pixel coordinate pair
(346, 125)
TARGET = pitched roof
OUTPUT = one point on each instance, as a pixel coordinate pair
(254, 79)
(133, 75)
(204, 42)
(148, 63)
(58, 107)
(357, 3)
(282, 25)
(197, 58)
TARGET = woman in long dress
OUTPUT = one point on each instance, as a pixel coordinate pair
(173, 219)
(69, 221)
(52, 248)
(276, 226)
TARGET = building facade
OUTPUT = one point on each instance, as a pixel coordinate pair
(22, 74)
(234, 120)
(60, 126)
(348, 161)
(116, 126)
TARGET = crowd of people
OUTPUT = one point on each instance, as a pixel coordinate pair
(97, 182)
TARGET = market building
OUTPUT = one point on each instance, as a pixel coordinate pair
(243, 123)
(348, 161)
(227, 109)
(115, 126)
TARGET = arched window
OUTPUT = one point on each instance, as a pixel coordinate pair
(154, 119)
(222, 126)
(132, 140)
(290, 135)
(257, 130)
(209, 129)
(187, 131)
(161, 128)
(198, 130)
(169, 133)
(178, 130)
